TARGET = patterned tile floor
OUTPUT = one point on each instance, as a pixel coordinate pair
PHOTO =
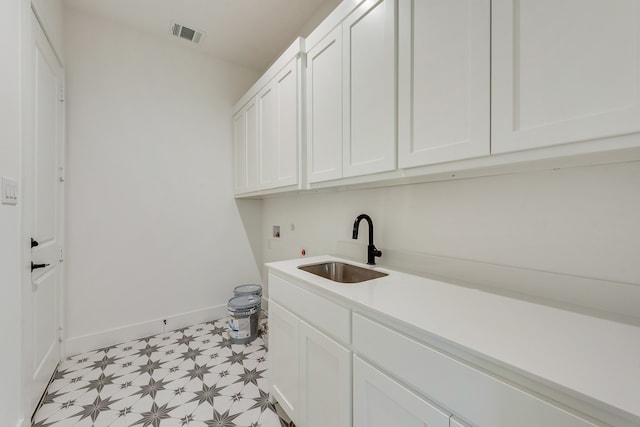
(188, 377)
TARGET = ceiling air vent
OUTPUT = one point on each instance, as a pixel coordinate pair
(186, 33)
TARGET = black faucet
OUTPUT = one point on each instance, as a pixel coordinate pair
(372, 252)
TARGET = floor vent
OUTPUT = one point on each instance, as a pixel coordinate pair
(186, 33)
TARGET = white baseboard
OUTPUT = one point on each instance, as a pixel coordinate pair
(81, 344)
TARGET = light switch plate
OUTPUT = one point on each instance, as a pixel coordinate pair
(9, 191)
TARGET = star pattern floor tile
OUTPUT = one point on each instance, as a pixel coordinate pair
(189, 377)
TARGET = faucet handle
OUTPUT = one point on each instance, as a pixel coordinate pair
(372, 253)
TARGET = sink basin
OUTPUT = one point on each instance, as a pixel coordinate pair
(341, 272)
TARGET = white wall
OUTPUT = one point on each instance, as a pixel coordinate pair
(319, 15)
(51, 16)
(10, 134)
(153, 230)
(582, 221)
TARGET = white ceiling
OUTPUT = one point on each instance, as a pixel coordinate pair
(248, 32)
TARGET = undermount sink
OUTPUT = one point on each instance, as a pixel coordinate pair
(341, 272)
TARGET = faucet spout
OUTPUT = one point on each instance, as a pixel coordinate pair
(372, 252)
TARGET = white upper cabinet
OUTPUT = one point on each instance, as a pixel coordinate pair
(278, 134)
(416, 88)
(564, 71)
(324, 108)
(369, 144)
(351, 95)
(245, 123)
(443, 80)
(267, 135)
(289, 129)
(268, 127)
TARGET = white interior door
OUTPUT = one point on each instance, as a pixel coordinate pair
(43, 194)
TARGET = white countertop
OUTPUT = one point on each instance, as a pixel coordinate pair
(594, 357)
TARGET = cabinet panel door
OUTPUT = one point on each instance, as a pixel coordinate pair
(472, 394)
(325, 315)
(379, 401)
(245, 124)
(286, 87)
(563, 71)
(324, 109)
(284, 347)
(268, 135)
(443, 81)
(325, 368)
(240, 151)
(369, 89)
(252, 145)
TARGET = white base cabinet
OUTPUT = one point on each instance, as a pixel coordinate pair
(284, 365)
(325, 380)
(310, 370)
(471, 394)
(380, 401)
(333, 367)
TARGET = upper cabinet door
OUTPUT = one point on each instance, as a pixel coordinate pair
(369, 89)
(324, 108)
(287, 91)
(268, 135)
(240, 151)
(564, 71)
(443, 80)
(278, 136)
(245, 124)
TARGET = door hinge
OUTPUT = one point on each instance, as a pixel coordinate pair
(60, 334)
(61, 98)
(60, 174)
(61, 255)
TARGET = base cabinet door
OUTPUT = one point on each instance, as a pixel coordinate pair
(380, 401)
(563, 71)
(287, 87)
(325, 375)
(284, 339)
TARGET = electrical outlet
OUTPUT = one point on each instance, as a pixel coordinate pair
(9, 191)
